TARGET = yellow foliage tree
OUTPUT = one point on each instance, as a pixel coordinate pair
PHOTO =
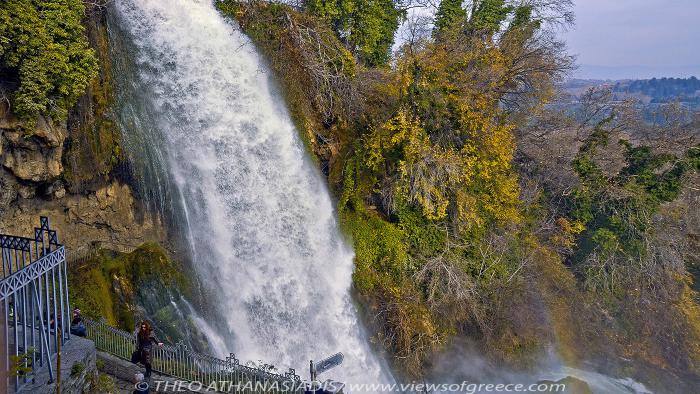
(447, 144)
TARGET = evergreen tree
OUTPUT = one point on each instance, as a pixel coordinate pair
(367, 27)
(488, 16)
(449, 14)
(521, 17)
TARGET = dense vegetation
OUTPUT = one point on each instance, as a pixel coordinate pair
(366, 26)
(469, 217)
(45, 60)
(92, 150)
(615, 200)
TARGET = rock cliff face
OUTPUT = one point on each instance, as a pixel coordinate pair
(31, 154)
(32, 183)
(107, 218)
(68, 171)
(63, 170)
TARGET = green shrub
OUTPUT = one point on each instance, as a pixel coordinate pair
(43, 47)
(104, 286)
(77, 369)
(617, 210)
(102, 383)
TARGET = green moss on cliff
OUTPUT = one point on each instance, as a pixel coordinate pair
(92, 147)
(107, 284)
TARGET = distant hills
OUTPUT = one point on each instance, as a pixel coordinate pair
(651, 92)
(589, 71)
(661, 90)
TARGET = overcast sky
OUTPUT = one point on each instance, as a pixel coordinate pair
(636, 38)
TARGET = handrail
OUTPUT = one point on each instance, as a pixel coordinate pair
(180, 361)
(31, 271)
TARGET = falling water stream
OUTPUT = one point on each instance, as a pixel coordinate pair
(265, 242)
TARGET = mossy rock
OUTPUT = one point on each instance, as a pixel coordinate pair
(92, 147)
(114, 285)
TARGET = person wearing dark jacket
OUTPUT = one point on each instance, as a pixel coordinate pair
(77, 327)
(145, 340)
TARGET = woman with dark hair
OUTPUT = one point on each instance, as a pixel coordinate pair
(145, 339)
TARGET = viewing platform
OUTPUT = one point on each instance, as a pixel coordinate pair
(39, 355)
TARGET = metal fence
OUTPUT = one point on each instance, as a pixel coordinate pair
(181, 362)
(34, 306)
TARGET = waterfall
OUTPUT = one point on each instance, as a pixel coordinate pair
(265, 241)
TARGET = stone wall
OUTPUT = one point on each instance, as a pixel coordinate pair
(78, 370)
(107, 218)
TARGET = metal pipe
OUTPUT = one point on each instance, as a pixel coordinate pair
(56, 330)
(43, 245)
(16, 334)
(7, 334)
(4, 274)
(24, 325)
(40, 315)
(44, 339)
(14, 251)
(33, 321)
(180, 360)
(65, 314)
(65, 280)
(48, 311)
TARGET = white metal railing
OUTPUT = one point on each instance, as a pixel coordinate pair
(181, 362)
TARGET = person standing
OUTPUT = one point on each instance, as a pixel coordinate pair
(145, 340)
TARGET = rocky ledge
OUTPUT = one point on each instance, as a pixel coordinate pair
(32, 184)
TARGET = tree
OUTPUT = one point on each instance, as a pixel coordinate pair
(436, 164)
(450, 13)
(521, 16)
(488, 15)
(367, 27)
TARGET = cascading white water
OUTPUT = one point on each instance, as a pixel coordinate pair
(265, 241)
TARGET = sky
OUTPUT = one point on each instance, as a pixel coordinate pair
(618, 39)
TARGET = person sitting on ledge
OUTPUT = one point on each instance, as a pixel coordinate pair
(77, 327)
